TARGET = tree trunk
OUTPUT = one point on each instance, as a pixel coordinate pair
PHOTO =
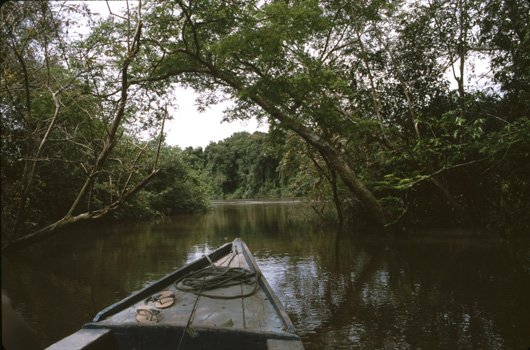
(346, 173)
(337, 160)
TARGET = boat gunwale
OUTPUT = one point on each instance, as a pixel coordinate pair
(275, 301)
(198, 329)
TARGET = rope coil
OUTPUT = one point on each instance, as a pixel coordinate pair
(215, 277)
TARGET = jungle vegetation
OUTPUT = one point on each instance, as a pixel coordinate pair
(241, 166)
(404, 113)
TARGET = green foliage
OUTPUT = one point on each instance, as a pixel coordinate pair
(367, 87)
(60, 154)
(177, 190)
(241, 166)
(370, 105)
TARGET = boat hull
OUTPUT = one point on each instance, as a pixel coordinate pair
(255, 322)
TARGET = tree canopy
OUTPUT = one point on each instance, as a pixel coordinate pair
(418, 108)
(405, 113)
(73, 127)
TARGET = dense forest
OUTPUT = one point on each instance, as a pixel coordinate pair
(402, 113)
(241, 166)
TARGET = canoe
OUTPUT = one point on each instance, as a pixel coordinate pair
(220, 301)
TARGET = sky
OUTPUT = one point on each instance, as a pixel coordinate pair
(189, 127)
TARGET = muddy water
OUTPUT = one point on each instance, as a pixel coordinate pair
(347, 291)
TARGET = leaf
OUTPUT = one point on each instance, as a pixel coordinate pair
(192, 333)
(228, 323)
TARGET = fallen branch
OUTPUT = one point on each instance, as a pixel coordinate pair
(52, 229)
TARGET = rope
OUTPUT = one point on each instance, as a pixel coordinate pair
(218, 277)
(215, 277)
(194, 306)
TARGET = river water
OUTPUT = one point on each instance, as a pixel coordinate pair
(348, 290)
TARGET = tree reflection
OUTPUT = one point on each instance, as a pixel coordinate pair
(381, 294)
(342, 291)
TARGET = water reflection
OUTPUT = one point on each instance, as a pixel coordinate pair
(382, 294)
(342, 291)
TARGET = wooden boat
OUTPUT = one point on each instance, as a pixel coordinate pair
(174, 313)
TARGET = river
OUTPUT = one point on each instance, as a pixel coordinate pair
(353, 290)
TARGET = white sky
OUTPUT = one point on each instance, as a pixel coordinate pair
(189, 127)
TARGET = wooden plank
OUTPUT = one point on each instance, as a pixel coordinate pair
(87, 339)
(261, 315)
(177, 314)
(221, 312)
(282, 344)
(264, 285)
(163, 282)
(258, 310)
